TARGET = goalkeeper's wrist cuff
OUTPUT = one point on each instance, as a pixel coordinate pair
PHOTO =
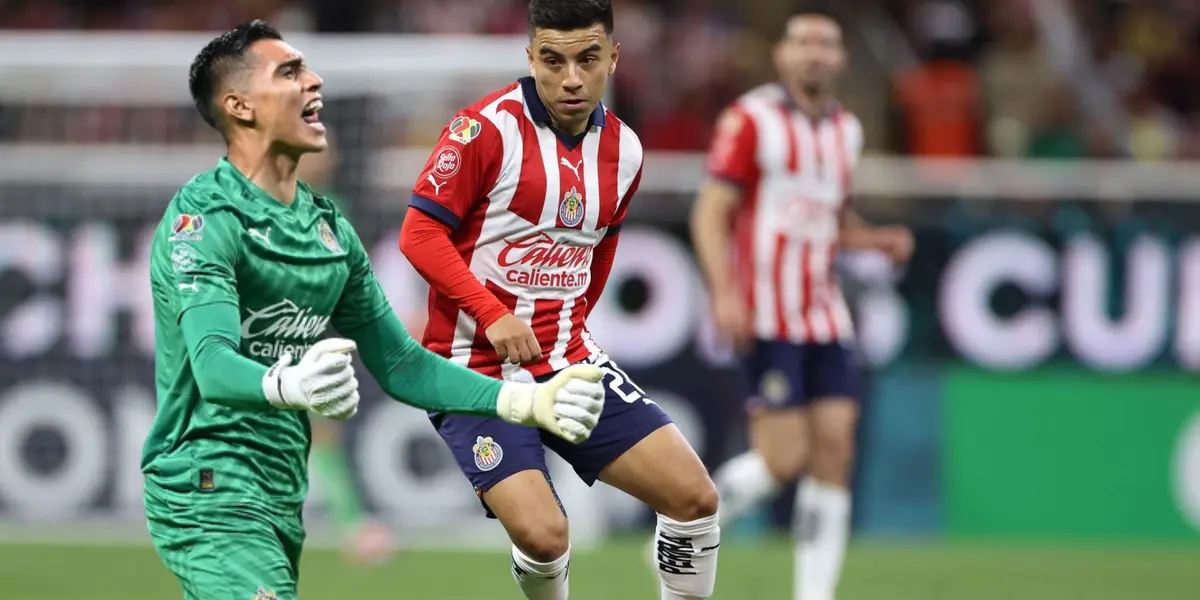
(515, 402)
(272, 386)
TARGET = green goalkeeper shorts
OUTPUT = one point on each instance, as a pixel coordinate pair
(227, 552)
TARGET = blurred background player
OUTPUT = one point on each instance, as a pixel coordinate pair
(780, 166)
(248, 269)
(515, 222)
(364, 540)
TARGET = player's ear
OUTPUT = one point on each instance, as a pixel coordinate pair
(529, 55)
(777, 56)
(616, 53)
(237, 107)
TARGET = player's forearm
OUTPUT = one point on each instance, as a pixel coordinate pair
(426, 243)
(856, 238)
(710, 236)
(212, 333)
(418, 377)
(602, 262)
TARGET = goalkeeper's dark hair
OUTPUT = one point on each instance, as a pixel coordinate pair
(222, 57)
(566, 15)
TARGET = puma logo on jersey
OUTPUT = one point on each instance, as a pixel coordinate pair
(437, 187)
(192, 287)
(573, 167)
(262, 236)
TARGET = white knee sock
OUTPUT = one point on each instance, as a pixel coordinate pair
(687, 557)
(541, 581)
(743, 483)
(823, 528)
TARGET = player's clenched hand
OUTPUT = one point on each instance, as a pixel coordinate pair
(323, 381)
(895, 241)
(568, 405)
(513, 340)
(732, 319)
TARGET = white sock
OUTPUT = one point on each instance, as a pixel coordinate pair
(542, 581)
(687, 557)
(743, 483)
(823, 528)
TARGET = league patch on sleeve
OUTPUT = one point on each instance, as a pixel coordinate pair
(186, 228)
(464, 129)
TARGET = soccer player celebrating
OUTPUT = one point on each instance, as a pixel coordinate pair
(248, 268)
(780, 165)
(515, 222)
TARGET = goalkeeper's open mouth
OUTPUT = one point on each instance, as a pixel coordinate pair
(311, 113)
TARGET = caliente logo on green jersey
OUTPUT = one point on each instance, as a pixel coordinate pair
(282, 327)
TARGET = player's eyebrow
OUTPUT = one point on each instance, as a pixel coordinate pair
(293, 63)
(547, 51)
(589, 50)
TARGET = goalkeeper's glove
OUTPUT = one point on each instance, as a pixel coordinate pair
(323, 381)
(568, 405)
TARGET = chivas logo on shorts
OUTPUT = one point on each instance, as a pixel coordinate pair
(774, 387)
(488, 453)
(570, 211)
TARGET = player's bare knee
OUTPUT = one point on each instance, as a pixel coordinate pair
(785, 466)
(705, 503)
(697, 502)
(543, 540)
(834, 456)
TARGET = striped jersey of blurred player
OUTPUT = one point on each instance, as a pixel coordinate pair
(767, 226)
(515, 223)
(248, 268)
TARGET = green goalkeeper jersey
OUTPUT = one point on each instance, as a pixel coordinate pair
(291, 271)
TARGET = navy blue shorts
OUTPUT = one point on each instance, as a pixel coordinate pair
(783, 374)
(489, 449)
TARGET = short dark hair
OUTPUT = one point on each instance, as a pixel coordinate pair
(565, 15)
(220, 58)
(810, 9)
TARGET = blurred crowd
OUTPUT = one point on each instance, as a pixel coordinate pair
(1010, 78)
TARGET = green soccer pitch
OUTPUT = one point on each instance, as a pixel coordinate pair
(749, 571)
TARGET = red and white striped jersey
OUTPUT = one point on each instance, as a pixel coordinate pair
(527, 207)
(794, 172)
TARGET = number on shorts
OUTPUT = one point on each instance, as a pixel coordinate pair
(622, 385)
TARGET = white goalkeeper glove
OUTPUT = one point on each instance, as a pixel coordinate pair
(323, 381)
(568, 405)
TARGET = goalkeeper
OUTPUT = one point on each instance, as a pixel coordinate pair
(248, 268)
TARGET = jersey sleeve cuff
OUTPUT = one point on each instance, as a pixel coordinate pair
(613, 229)
(435, 210)
(201, 303)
